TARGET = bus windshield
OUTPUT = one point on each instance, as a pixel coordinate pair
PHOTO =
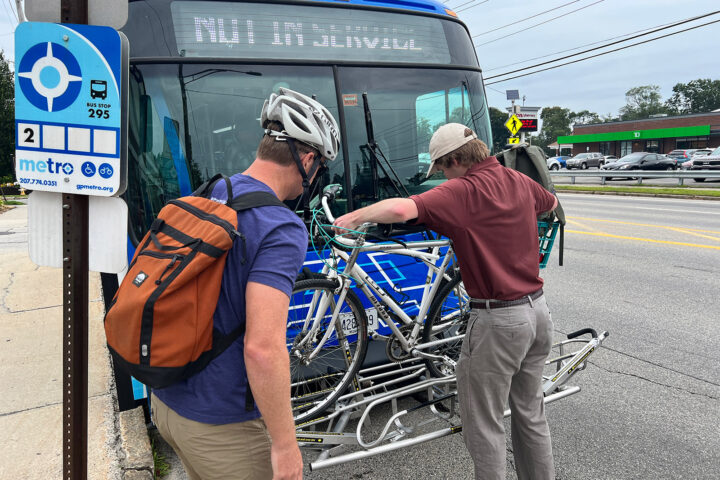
(191, 119)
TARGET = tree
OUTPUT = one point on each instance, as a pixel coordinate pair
(696, 96)
(555, 122)
(500, 134)
(641, 102)
(584, 116)
(7, 120)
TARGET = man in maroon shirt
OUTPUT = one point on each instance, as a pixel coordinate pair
(490, 213)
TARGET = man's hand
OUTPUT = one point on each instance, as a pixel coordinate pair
(287, 463)
(346, 223)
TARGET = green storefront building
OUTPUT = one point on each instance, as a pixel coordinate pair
(659, 135)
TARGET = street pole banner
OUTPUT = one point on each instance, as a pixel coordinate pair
(68, 109)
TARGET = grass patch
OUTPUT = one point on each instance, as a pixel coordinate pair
(679, 190)
(10, 202)
(162, 467)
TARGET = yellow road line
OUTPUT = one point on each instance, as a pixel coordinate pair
(690, 232)
(667, 242)
(573, 222)
(642, 224)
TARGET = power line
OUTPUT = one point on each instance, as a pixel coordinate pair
(12, 12)
(538, 24)
(681, 22)
(9, 14)
(574, 48)
(524, 19)
(472, 6)
(603, 53)
(462, 4)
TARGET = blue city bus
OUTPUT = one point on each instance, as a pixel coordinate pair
(390, 71)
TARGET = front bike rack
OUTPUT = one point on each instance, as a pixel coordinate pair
(385, 384)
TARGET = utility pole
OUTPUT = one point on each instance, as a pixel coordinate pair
(20, 11)
(75, 308)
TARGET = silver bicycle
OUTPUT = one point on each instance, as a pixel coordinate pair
(328, 326)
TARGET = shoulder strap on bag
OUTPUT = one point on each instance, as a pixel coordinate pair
(255, 199)
(205, 190)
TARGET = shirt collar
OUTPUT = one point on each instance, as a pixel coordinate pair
(489, 162)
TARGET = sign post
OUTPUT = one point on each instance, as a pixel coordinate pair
(69, 140)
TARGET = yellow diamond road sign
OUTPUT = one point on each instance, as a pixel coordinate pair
(512, 140)
(513, 124)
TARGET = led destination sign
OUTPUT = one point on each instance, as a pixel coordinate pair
(250, 30)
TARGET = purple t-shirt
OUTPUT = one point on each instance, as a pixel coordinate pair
(276, 245)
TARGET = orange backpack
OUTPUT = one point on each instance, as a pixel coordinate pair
(159, 326)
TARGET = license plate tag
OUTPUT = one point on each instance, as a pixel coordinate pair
(349, 323)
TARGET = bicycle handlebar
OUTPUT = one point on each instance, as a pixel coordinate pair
(329, 194)
(582, 331)
(331, 191)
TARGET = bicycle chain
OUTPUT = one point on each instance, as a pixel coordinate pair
(394, 348)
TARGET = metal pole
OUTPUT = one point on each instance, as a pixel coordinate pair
(75, 309)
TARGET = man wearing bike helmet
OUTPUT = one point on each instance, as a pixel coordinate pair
(490, 212)
(232, 420)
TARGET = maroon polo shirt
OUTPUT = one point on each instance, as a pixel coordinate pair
(490, 213)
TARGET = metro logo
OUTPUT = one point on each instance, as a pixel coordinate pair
(49, 166)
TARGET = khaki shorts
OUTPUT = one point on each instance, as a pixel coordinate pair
(235, 451)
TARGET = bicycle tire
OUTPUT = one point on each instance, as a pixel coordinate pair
(316, 384)
(448, 316)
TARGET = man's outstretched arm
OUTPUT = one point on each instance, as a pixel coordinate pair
(392, 210)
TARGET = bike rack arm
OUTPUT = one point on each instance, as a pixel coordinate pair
(399, 444)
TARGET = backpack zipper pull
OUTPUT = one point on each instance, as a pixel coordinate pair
(175, 258)
(243, 260)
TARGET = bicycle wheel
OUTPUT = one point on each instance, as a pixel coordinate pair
(448, 317)
(320, 375)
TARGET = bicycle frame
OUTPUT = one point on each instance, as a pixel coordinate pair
(374, 293)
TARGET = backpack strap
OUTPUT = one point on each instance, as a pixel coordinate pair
(249, 200)
(205, 190)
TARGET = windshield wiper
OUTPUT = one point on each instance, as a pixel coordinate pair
(376, 153)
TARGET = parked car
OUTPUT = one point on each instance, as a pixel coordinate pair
(586, 160)
(682, 155)
(708, 162)
(702, 152)
(609, 159)
(556, 163)
(641, 161)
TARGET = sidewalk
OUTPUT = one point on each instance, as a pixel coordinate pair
(31, 327)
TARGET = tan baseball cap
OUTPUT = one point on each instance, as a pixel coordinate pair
(447, 138)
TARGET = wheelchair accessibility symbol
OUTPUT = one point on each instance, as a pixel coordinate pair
(88, 169)
(50, 76)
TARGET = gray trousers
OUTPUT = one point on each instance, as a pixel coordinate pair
(502, 359)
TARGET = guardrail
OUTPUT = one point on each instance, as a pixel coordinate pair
(681, 175)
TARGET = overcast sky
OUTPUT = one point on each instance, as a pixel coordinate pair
(597, 85)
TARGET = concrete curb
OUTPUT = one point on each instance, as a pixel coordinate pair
(136, 458)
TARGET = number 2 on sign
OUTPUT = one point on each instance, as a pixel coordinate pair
(98, 113)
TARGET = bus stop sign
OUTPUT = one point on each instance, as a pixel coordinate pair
(69, 99)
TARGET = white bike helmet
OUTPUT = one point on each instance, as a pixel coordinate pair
(303, 119)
